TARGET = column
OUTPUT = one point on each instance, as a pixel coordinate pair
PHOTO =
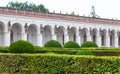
(98, 39)
(39, 40)
(54, 37)
(116, 40)
(66, 36)
(54, 31)
(88, 36)
(24, 36)
(7, 38)
(78, 39)
(107, 43)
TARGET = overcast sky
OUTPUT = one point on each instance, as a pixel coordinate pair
(104, 8)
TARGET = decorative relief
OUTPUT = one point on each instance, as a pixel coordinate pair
(80, 31)
(9, 26)
(55, 29)
(41, 28)
(26, 28)
(68, 29)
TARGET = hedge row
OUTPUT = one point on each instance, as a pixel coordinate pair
(57, 64)
(73, 51)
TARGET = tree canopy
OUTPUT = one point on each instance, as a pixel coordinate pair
(27, 6)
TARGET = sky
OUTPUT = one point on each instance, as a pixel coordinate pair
(109, 9)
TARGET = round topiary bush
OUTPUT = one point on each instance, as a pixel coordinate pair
(84, 52)
(71, 44)
(21, 46)
(52, 43)
(89, 44)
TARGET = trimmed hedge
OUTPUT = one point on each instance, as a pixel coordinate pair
(84, 52)
(52, 43)
(89, 44)
(21, 46)
(71, 44)
(57, 64)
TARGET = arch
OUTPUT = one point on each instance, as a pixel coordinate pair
(72, 34)
(15, 33)
(103, 37)
(2, 35)
(94, 35)
(46, 34)
(60, 34)
(32, 34)
(112, 40)
(3, 25)
(84, 34)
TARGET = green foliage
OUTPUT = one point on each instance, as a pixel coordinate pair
(4, 49)
(37, 48)
(52, 43)
(27, 6)
(106, 52)
(89, 44)
(71, 44)
(73, 51)
(57, 64)
(84, 52)
(21, 46)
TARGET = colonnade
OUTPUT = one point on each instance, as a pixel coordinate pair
(39, 34)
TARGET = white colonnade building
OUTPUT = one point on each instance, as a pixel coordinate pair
(38, 28)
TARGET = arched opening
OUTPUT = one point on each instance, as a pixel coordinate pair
(72, 34)
(103, 35)
(83, 35)
(84, 38)
(15, 32)
(1, 34)
(94, 34)
(112, 38)
(60, 35)
(119, 40)
(46, 34)
(32, 34)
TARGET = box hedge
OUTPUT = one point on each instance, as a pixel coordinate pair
(57, 64)
(21, 46)
(84, 52)
(89, 44)
(71, 44)
(53, 43)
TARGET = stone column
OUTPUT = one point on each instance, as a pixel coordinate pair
(116, 40)
(24, 36)
(7, 38)
(88, 36)
(39, 40)
(78, 39)
(66, 36)
(54, 37)
(98, 39)
(54, 31)
(107, 43)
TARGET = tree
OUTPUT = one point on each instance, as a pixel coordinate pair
(27, 6)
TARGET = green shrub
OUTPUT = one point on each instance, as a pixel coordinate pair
(52, 43)
(84, 52)
(57, 64)
(21, 46)
(71, 44)
(89, 44)
(106, 52)
(4, 49)
(37, 48)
